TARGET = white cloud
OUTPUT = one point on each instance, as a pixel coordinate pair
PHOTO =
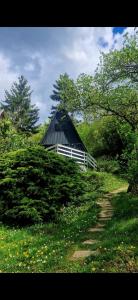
(78, 52)
(85, 47)
(7, 76)
(29, 67)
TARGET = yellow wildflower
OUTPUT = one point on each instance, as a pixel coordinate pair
(26, 253)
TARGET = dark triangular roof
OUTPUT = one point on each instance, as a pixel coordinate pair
(62, 131)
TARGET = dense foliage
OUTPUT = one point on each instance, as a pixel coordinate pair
(112, 91)
(10, 138)
(35, 185)
(105, 136)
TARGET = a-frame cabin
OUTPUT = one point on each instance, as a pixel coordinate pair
(63, 138)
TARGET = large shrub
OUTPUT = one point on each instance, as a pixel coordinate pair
(34, 184)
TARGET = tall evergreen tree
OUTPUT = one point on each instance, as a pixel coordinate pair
(63, 93)
(18, 106)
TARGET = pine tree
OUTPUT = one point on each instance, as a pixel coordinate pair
(18, 106)
(63, 93)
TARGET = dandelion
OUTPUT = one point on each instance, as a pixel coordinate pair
(26, 254)
(20, 264)
(118, 248)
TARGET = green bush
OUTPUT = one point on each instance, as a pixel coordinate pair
(94, 180)
(108, 165)
(105, 136)
(35, 184)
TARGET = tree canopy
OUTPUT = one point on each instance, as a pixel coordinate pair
(113, 89)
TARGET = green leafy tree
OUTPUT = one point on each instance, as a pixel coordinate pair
(113, 90)
(18, 106)
(116, 81)
(10, 139)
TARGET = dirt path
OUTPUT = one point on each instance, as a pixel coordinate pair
(104, 216)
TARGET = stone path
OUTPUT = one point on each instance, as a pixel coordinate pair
(104, 216)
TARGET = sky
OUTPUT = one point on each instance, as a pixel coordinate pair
(41, 54)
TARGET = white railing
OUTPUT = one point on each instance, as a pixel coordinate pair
(81, 157)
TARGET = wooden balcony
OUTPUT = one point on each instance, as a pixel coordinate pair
(81, 157)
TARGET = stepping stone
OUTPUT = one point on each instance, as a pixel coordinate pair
(99, 225)
(95, 252)
(103, 211)
(108, 211)
(105, 207)
(105, 214)
(96, 229)
(81, 254)
(103, 202)
(108, 207)
(107, 204)
(84, 253)
(104, 219)
(90, 242)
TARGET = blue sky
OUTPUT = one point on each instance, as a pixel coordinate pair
(118, 30)
(41, 54)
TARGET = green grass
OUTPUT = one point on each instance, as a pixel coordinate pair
(48, 247)
(44, 248)
(111, 182)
